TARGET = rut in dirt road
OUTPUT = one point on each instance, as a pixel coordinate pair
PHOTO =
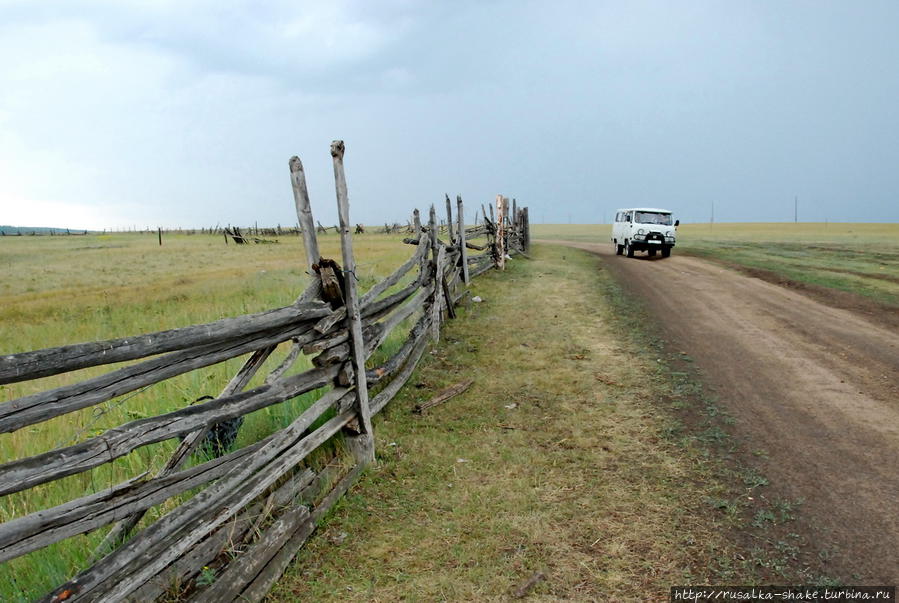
(814, 387)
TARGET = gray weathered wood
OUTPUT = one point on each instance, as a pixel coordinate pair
(528, 585)
(227, 537)
(263, 582)
(296, 347)
(229, 585)
(52, 361)
(448, 297)
(386, 304)
(390, 390)
(460, 215)
(449, 221)
(126, 569)
(394, 278)
(304, 211)
(35, 408)
(499, 243)
(363, 446)
(391, 322)
(477, 232)
(437, 252)
(443, 395)
(28, 472)
(42, 528)
(330, 321)
(527, 229)
(386, 370)
(478, 270)
(191, 442)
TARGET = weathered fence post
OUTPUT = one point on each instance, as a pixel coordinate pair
(363, 445)
(460, 215)
(304, 211)
(526, 229)
(416, 220)
(159, 231)
(500, 232)
(436, 258)
(449, 220)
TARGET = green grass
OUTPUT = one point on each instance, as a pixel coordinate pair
(566, 456)
(862, 259)
(61, 290)
(594, 475)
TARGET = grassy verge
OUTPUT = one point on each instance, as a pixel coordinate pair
(568, 456)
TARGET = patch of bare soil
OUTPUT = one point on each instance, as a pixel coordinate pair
(814, 389)
(883, 314)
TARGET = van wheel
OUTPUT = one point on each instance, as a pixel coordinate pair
(619, 249)
(628, 250)
(666, 252)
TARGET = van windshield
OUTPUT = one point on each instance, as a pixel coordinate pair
(652, 217)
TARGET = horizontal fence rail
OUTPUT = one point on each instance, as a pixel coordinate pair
(254, 506)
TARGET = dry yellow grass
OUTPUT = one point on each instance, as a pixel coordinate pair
(553, 461)
(60, 290)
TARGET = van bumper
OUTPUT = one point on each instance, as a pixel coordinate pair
(647, 245)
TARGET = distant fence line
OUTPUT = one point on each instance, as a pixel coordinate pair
(260, 500)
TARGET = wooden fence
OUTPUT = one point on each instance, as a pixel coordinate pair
(260, 502)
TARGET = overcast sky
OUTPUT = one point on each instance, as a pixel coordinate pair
(179, 113)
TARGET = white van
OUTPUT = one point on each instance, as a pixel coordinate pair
(643, 229)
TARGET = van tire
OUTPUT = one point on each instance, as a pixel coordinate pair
(666, 252)
(619, 249)
(628, 250)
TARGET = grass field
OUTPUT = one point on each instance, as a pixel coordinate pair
(568, 456)
(61, 290)
(857, 258)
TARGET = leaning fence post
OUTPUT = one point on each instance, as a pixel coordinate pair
(436, 276)
(460, 215)
(449, 221)
(304, 211)
(363, 445)
(416, 220)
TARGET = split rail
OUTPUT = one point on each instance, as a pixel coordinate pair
(257, 505)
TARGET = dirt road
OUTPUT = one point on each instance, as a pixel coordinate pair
(814, 387)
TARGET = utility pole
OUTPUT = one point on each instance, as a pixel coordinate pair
(796, 209)
(712, 219)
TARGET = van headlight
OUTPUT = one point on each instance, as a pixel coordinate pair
(641, 231)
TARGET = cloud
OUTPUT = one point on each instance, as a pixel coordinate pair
(282, 39)
(191, 109)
